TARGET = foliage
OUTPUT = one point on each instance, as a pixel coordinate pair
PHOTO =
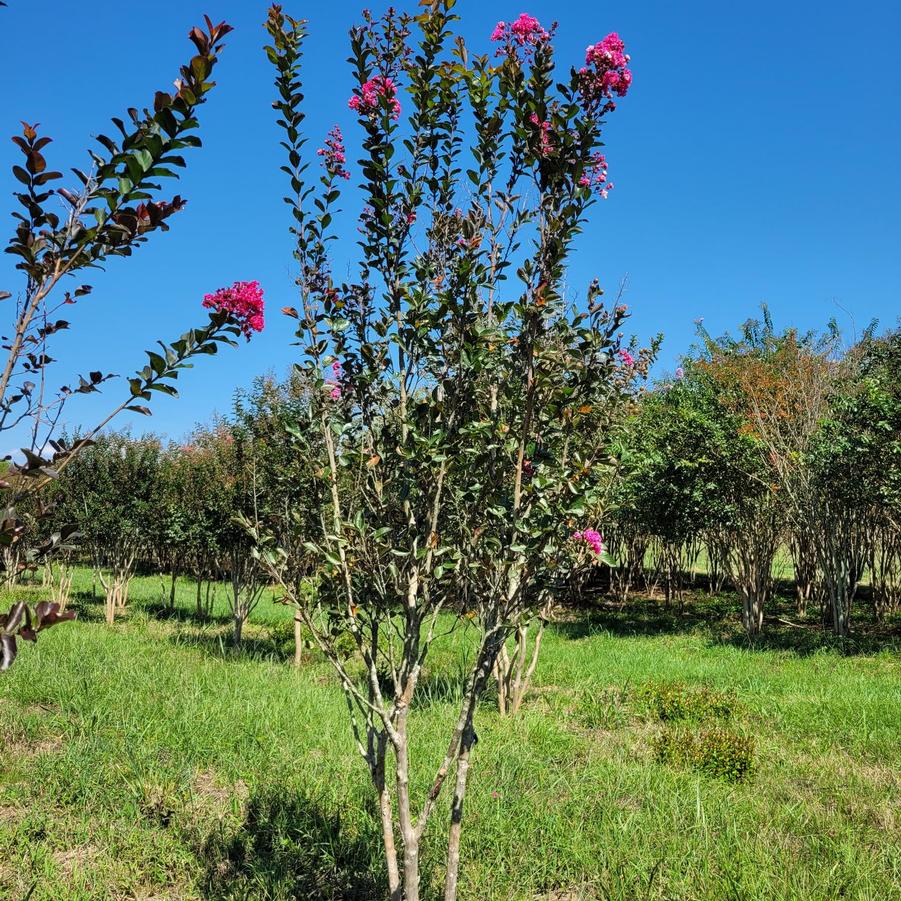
(113, 211)
(718, 752)
(674, 701)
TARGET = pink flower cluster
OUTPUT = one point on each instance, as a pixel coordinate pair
(525, 32)
(367, 102)
(592, 538)
(595, 176)
(334, 384)
(605, 73)
(243, 302)
(546, 142)
(626, 357)
(334, 156)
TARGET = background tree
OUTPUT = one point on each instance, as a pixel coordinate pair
(856, 477)
(109, 492)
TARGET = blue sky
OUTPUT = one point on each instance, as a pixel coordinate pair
(755, 159)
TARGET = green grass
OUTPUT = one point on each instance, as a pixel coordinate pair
(149, 761)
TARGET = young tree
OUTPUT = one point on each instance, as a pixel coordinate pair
(289, 495)
(855, 465)
(108, 492)
(684, 477)
(449, 396)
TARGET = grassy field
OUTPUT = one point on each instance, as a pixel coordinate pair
(149, 761)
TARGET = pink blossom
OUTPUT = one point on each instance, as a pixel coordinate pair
(334, 154)
(595, 175)
(243, 301)
(525, 32)
(378, 88)
(592, 538)
(626, 357)
(680, 372)
(546, 143)
(605, 73)
(334, 384)
(609, 51)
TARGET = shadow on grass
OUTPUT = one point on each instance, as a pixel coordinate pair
(162, 611)
(806, 638)
(218, 642)
(718, 620)
(645, 616)
(291, 848)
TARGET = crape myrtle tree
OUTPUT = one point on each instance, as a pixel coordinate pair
(220, 480)
(239, 488)
(876, 408)
(855, 466)
(781, 385)
(566, 574)
(109, 491)
(683, 475)
(289, 498)
(454, 377)
(171, 526)
(206, 480)
(112, 208)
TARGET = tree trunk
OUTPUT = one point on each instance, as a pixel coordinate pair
(452, 872)
(752, 614)
(386, 813)
(298, 644)
(409, 835)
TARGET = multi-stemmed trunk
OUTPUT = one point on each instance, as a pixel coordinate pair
(246, 589)
(749, 551)
(117, 584)
(514, 671)
(803, 550)
(884, 554)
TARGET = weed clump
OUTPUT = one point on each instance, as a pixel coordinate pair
(672, 701)
(717, 752)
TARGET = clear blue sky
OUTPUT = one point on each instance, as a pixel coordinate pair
(756, 158)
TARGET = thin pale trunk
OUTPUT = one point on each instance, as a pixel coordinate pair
(452, 873)
(502, 670)
(298, 640)
(409, 835)
(386, 814)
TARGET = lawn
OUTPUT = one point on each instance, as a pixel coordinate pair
(148, 760)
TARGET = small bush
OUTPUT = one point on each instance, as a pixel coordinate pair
(718, 752)
(282, 635)
(675, 701)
